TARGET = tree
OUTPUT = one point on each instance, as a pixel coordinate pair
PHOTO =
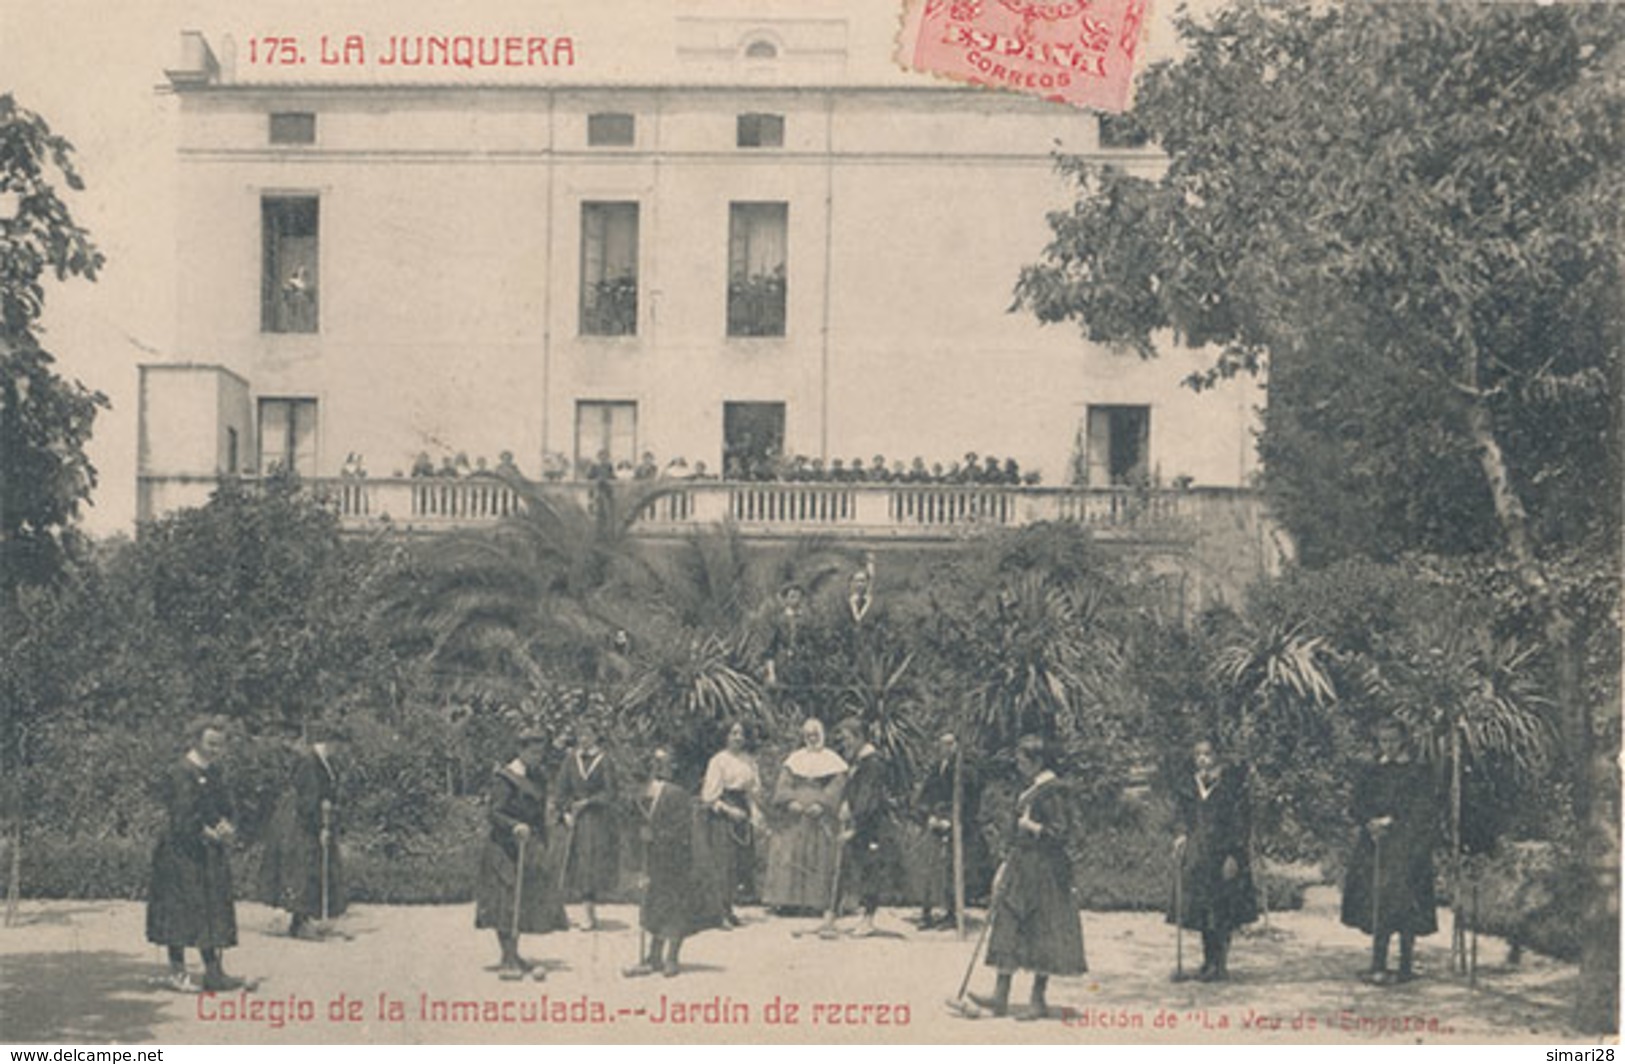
(260, 603)
(508, 608)
(1274, 678)
(1411, 215)
(45, 421)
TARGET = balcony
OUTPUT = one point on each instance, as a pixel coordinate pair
(891, 512)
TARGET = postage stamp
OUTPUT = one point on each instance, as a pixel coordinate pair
(1081, 52)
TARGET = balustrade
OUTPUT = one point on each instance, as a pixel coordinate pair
(900, 511)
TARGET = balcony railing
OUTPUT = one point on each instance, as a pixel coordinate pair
(771, 510)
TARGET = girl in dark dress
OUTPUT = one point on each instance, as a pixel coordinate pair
(1389, 886)
(302, 871)
(1216, 893)
(677, 900)
(1036, 926)
(516, 844)
(587, 798)
(190, 902)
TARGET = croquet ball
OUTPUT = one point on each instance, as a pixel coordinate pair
(973, 1011)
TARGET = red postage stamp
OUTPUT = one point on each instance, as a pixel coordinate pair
(1081, 52)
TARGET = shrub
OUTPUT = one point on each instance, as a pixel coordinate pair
(1529, 894)
(85, 867)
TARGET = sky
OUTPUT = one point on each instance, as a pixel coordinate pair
(94, 70)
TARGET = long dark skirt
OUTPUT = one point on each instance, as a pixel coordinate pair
(1206, 901)
(1406, 901)
(1036, 926)
(291, 873)
(730, 870)
(681, 897)
(594, 854)
(540, 908)
(190, 900)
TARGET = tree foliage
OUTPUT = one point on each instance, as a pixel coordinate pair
(1411, 214)
(45, 421)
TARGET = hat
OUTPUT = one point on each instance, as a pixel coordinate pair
(531, 736)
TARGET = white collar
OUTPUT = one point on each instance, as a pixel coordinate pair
(1044, 776)
(517, 767)
(583, 766)
(195, 759)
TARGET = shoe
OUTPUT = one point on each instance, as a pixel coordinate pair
(1033, 1012)
(730, 921)
(181, 983)
(670, 969)
(991, 1004)
(638, 971)
(864, 930)
(220, 982)
(1378, 978)
(1404, 975)
(510, 972)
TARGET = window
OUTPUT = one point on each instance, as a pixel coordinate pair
(760, 49)
(293, 128)
(752, 433)
(609, 269)
(610, 129)
(757, 260)
(605, 430)
(231, 451)
(761, 131)
(288, 288)
(1119, 445)
(288, 436)
(1122, 131)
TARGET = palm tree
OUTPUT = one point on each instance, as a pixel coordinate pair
(1470, 699)
(694, 617)
(515, 607)
(1035, 655)
(1271, 671)
(686, 687)
(880, 690)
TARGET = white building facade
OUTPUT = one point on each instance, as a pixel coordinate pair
(776, 242)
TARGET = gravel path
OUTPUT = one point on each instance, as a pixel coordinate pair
(76, 971)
